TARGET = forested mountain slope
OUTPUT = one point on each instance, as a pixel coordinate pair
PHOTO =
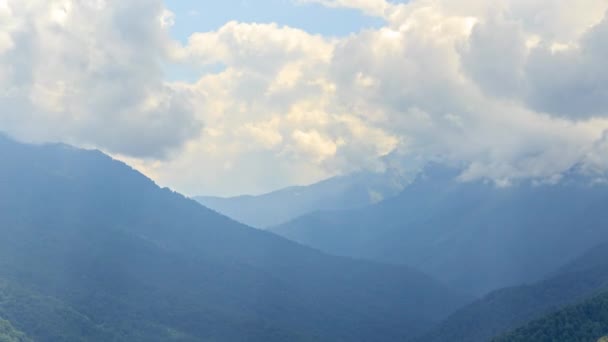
(472, 235)
(123, 258)
(9, 334)
(584, 322)
(507, 309)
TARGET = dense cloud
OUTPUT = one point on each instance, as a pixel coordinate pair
(571, 81)
(90, 73)
(511, 89)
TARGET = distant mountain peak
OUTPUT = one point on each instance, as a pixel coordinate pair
(96, 251)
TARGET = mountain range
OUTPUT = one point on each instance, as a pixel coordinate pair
(9, 334)
(583, 322)
(343, 192)
(510, 308)
(474, 236)
(93, 250)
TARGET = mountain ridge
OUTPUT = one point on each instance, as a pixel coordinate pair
(342, 192)
(97, 235)
(506, 236)
(585, 321)
(509, 308)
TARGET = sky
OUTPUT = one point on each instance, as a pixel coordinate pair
(233, 97)
(314, 18)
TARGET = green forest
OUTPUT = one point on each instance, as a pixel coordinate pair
(9, 334)
(584, 322)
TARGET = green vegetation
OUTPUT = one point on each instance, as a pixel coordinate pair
(49, 319)
(9, 334)
(43, 317)
(507, 309)
(585, 322)
(91, 250)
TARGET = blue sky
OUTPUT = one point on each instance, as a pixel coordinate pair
(198, 16)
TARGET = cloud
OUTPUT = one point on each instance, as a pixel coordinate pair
(596, 159)
(561, 79)
(90, 73)
(511, 89)
(571, 81)
(464, 84)
(493, 56)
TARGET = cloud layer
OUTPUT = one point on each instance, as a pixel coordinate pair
(90, 72)
(511, 89)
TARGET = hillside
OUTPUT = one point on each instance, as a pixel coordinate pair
(48, 319)
(506, 309)
(453, 230)
(99, 239)
(338, 193)
(9, 334)
(584, 322)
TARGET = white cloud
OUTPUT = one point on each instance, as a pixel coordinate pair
(511, 88)
(90, 73)
(314, 145)
(439, 81)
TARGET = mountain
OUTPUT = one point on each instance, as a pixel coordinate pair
(9, 334)
(584, 322)
(507, 309)
(105, 254)
(343, 192)
(473, 236)
(45, 318)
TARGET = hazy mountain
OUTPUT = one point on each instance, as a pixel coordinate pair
(9, 334)
(584, 322)
(344, 192)
(509, 308)
(46, 318)
(108, 255)
(474, 236)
